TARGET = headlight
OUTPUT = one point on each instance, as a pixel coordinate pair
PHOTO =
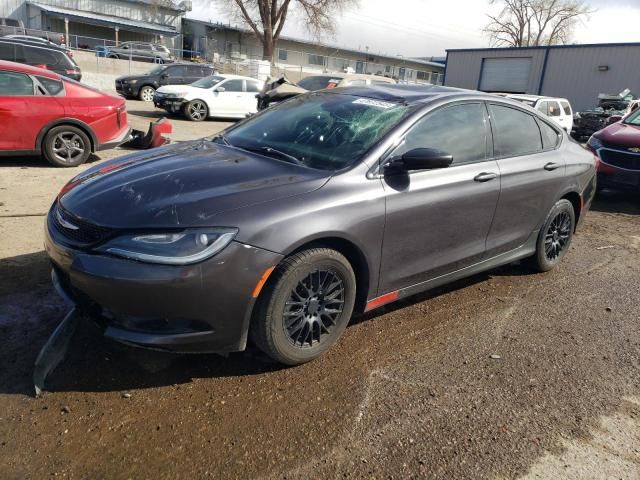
(171, 248)
(132, 82)
(594, 143)
(177, 95)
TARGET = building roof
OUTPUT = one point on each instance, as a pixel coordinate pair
(317, 44)
(106, 20)
(577, 45)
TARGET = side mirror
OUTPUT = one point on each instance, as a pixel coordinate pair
(219, 89)
(164, 76)
(613, 119)
(126, 47)
(422, 159)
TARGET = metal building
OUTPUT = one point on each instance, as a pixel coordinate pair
(576, 72)
(88, 23)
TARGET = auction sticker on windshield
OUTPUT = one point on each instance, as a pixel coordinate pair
(374, 103)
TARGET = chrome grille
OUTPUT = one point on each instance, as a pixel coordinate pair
(620, 159)
(75, 230)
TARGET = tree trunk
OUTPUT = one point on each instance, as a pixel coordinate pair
(267, 49)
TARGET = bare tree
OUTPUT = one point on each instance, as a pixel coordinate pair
(266, 18)
(530, 23)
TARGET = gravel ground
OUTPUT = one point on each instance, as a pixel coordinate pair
(504, 375)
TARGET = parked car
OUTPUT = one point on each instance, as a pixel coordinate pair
(52, 58)
(558, 109)
(282, 226)
(611, 108)
(43, 41)
(144, 86)
(280, 89)
(45, 113)
(11, 26)
(617, 148)
(228, 96)
(141, 51)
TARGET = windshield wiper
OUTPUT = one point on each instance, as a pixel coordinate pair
(224, 139)
(275, 153)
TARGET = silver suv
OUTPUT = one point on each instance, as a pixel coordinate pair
(141, 51)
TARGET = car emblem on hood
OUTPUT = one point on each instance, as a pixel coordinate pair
(635, 150)
(64, 223)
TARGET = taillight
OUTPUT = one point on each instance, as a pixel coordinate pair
(71, 72)
(41, 65)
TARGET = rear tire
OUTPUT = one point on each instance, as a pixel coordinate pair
(555, 236)
(113, 55)
(146, 93)
(196, 110)
(66, 146)
(306, 306)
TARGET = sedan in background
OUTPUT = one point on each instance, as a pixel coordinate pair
(144, 86)
(617, 148)
(279, 228)
(226, 96)
(44, 113)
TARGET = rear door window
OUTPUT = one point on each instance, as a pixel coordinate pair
(41, 56)
(253, 86)
(15, 84)
(567, 108)
(458, 130)
(7, 52)
(550, 136)
(54, 87)
(515, 132)
(233, 85)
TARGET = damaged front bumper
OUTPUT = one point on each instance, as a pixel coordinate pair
(205, 307)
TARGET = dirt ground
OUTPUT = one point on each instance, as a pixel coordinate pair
(504, 375)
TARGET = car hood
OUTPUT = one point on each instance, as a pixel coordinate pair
(176, 89)
(621, 134)
(186, 184)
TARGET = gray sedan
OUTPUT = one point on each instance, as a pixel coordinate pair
(344, 200)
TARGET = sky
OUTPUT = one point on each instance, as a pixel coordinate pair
(424, 28)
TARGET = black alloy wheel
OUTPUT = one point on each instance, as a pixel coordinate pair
(305, 306)
(555, 236)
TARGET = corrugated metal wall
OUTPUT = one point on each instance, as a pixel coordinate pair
(574, 73)
(571, 72)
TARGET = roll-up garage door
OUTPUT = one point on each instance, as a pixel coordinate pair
(505, 75)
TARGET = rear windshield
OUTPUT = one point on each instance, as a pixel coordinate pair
(319, 83)
(208, 82)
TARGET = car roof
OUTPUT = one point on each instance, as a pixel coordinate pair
(22, 68)
(409, 94)
(533, 97)
(34, 43)
(228, 76)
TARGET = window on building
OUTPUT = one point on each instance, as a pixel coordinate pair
(387, 69)
(443, 130)
(14, 84)
(316, 59)
(282, 54)
(516, 132)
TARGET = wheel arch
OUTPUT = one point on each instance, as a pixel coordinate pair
(66, 121)
(576, 200)
(354, 255)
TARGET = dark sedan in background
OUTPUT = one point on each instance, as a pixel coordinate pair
(282, 226)
(617, 148)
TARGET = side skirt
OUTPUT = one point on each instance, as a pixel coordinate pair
(524, 251)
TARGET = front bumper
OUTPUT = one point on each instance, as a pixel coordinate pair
(170, 104)
(126, 89)
(123, 137)
(204, 307)
(619, 179)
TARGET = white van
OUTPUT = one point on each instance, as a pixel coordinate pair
(558, 109)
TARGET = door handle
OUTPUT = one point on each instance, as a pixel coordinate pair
(485, 176)
(549, 167)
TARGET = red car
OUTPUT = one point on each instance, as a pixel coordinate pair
(617, 148)
(44, 113)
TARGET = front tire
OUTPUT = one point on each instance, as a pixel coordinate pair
(147, 93)
(66, 146)
(555, 236)
(306, 306)
(196, 110)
